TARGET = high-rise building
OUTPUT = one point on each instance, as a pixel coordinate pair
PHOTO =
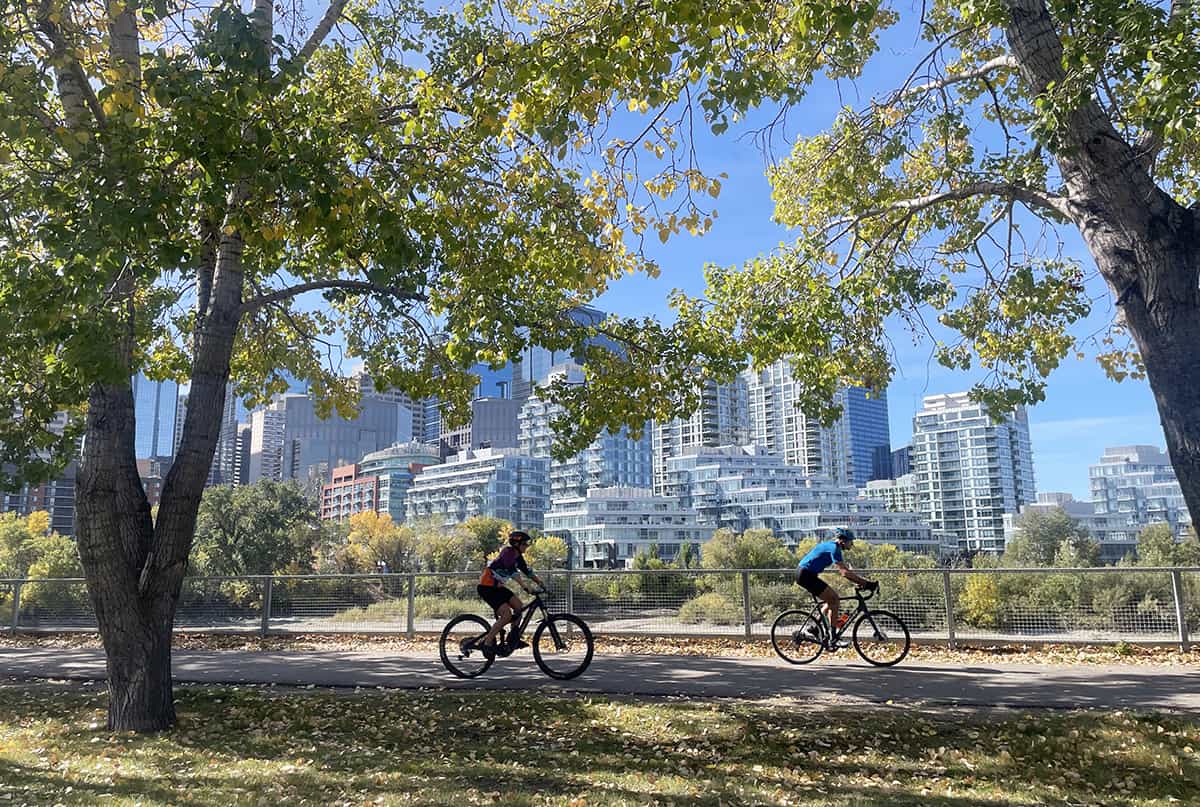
(852, 451)
(535, 362)
(56, 497)
(901, 463)
(1115, 533)
(743, 487)
(493, 425)
(313, 446)
(224, 464)
(1139, 484)
(612, 460)
(608, 527)
(868, 434)
(349, 491)
(783, 431)
(154, 410)
(396, 468)
(266, 441)
(722, 419)
(241, 471)
(409, 413)
(970, 469)
(499, 482)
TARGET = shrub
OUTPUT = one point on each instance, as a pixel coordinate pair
(980, 601)
(712, 609)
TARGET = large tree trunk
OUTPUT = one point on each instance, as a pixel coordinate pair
(1161, 309)
(135, 567)
(1146, 245)
(115, 534)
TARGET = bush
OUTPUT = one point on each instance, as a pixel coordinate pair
(712, 609)
(980, 601)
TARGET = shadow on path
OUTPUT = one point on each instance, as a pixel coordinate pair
(1082, 686)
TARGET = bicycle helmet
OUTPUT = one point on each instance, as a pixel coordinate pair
(517, 537)
(843, 534)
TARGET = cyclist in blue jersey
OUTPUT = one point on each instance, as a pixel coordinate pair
(820, 558)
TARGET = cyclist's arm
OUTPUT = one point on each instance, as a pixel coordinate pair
(845, 571)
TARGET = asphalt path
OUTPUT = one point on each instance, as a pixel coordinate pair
(830, 680)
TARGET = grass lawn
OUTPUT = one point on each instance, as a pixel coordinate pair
(277, 747)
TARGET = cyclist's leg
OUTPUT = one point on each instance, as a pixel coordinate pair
(500, 600)
(504, 615)
(830, 604)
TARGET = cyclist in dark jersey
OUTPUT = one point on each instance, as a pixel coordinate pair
(821, 557)
(504, 603)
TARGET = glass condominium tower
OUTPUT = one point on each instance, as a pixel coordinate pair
(154, 405)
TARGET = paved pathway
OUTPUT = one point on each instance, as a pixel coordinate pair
(1127, 687)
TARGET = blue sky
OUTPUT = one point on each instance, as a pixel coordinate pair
(1084, 411)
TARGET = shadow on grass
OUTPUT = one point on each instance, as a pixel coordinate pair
(237, 746)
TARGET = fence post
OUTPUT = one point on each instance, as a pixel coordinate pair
(16, 614)
(746, 601)
(412, 605)
(949, 595)
(1180, 615)
(266, 605)
(570, 591)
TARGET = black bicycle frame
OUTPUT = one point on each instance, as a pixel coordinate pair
(526, 617)
(861, 608)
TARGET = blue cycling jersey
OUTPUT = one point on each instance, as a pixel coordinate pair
(821, 556)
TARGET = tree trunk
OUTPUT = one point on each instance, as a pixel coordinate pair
(135, 566)
(1162, 313)
(1146, 245)
(114, 534)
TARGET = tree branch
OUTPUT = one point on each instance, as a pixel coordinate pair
(74, 90)
(124, 41)
(984, 70)
(367, 286)
(318, 35)
(1004, 190)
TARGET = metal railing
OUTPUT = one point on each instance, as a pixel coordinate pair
(1090, 605)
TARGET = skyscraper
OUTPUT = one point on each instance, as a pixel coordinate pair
(970, 470)
(531, 367)
(313, 447)
(868, 435)
(852, 451)
(266, 441)
(783, 431)
(154, 404)
(722, 419)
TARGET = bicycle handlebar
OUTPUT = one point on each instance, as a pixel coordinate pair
(871, 591)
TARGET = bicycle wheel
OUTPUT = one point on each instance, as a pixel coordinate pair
(464, 662)
(884, 640)
(789, 639)
(562, 646)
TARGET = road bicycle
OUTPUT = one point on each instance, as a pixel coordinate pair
(562, 643)
(880, 637)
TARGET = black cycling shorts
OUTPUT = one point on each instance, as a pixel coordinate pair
(811, 583)
(494, 596)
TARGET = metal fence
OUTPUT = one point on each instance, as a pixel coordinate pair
(1152, 605)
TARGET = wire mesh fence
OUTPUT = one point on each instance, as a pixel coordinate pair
(1048, 605)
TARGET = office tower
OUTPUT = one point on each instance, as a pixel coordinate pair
(154, 410)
